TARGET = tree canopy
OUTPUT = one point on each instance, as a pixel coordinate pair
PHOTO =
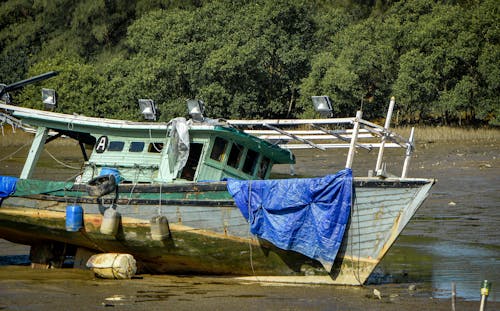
(259, 59)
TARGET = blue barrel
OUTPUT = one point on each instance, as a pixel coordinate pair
(74, 218)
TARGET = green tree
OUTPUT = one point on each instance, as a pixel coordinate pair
(357, 70)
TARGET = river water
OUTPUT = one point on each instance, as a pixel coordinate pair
(454, 236)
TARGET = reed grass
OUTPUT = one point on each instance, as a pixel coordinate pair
(446, 133)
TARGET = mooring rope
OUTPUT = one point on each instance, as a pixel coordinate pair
(13, 153)
(159, 201)
(356, 270)
(60, 162)
(249, 227)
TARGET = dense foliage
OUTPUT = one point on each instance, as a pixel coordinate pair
(259, 59)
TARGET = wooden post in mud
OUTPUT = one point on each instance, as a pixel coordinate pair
(386, 126)
(354, 138)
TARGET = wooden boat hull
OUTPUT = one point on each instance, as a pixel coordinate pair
(207, 233)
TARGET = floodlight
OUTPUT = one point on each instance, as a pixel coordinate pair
(322, 105)
(49, 98)
(196, 108)
(148, 109)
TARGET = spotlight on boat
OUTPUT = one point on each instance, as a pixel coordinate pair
(148, 109)
(49, 98)
(323, 105)
(196, 108)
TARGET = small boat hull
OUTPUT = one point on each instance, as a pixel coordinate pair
(207, 233)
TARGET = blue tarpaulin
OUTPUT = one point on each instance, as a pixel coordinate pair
(7, 186)
(306, 215)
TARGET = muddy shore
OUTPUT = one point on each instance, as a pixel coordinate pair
(22, 288)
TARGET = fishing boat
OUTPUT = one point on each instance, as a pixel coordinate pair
(195, 196)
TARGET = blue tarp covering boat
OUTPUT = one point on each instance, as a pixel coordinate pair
(306, 215)
(7, 186)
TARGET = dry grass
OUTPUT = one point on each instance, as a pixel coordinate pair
(446, 133)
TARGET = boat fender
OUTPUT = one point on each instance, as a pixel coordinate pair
(74, 218)
(112, 265)
(159, 228)
(101, 185)
(110, 222)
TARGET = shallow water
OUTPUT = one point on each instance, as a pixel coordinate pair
(452, 238)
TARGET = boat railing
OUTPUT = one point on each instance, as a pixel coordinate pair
(331, 133)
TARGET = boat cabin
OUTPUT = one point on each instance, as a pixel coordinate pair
(146, 152)
(214, 153)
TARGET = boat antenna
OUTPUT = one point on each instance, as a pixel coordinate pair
(17, 85)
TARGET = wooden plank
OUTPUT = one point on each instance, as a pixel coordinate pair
(34, 153)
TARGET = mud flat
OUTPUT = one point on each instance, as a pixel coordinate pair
(22, 288)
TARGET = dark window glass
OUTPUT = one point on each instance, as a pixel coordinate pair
(189, 171)
(218, 149)
(155, 147)
(264, 165)
(116, 145)
(250, 162)
(235, 155)
(136, 146)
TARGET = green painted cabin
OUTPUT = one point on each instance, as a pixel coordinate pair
(215, 152)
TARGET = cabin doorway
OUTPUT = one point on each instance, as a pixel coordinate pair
(189, 170)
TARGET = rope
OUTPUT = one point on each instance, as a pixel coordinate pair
(13, 153)
(249, 226)
(113, 266)
(356, 269)
(60, 162)
(135, 181)
(159, 202)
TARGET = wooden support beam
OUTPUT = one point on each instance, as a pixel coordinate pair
(34, 153)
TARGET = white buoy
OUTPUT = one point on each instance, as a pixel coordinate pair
(159, 228)
(113, 265)
(110, 222)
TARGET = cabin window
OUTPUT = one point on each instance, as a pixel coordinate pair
(189, 170)
(218, 149)
(263, 166)
(155, 147)
(116, 145)
(250, 162)
(136, 146)
(235, 155)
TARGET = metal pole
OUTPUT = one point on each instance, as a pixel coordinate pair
(354, 138)
(485, 290)
(453, 295)
(386, 126)
(409, 151)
